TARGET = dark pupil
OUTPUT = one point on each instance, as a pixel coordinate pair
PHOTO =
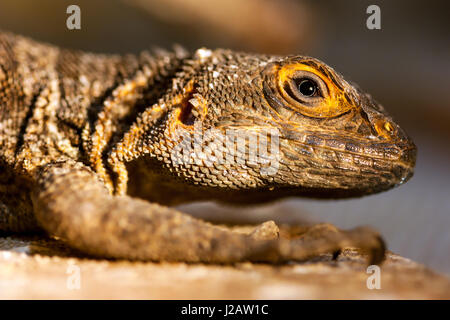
(307, 87)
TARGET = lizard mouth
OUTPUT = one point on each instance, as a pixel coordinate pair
(340, 167)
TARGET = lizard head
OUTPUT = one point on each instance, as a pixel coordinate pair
(279, 126)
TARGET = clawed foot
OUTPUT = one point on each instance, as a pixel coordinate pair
(317, 240)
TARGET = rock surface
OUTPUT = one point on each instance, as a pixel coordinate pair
(37, 268)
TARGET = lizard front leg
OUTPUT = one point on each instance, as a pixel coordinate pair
(72, 203)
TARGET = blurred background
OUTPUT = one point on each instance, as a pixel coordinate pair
(405, 66)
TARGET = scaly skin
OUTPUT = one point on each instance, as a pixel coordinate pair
(83, 136)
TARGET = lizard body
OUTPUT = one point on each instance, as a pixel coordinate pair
(83, 136)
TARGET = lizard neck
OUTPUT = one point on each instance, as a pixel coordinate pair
(108, 127)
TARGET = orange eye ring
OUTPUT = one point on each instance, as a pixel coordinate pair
(330, 103)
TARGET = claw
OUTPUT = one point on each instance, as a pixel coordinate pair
(322, 239)
(368, 241)
(336, 254)
(378, 254)
(266, 231)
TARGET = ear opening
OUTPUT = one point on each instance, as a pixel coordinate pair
(190, 107)
(187, 116)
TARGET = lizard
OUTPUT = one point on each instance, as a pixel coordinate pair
(90, 150)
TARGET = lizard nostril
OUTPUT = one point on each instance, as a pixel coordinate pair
(384, 128)
(388, 127)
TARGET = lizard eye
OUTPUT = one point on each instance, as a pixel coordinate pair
(307, 87)
(311, 91)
